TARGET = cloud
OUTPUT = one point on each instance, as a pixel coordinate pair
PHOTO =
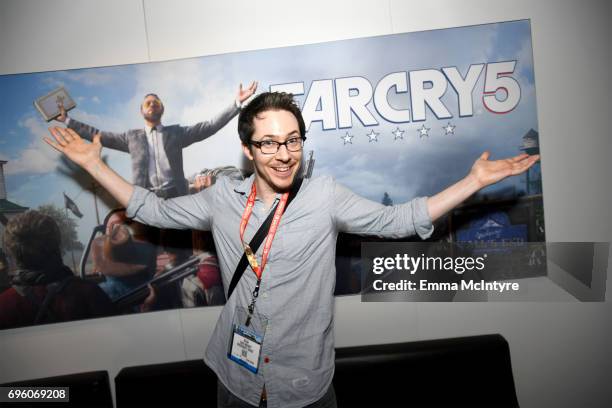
(95, 99)
(88, 77)
(37, 157)
(53, 81)
(194, 91)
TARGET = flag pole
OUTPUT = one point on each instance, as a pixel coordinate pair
(94, 189)
(74, 267)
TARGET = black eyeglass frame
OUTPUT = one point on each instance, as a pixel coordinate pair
(258, 143)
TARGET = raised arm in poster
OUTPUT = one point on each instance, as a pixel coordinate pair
(157, 150)
(300, 307)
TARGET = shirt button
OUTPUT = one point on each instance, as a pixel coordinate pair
(265, 295)
(266, 360)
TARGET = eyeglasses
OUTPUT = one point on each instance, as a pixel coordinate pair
(294, 144)
(153, 102)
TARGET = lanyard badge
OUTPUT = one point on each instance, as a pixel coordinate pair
(246, 342)
(247, 339)
(258, 269)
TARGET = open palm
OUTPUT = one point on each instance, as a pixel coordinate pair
(246, 93)
(488, 172)
(68, 142)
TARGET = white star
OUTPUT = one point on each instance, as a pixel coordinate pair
(423, 131)
(347, 138)
(449, 129)
(373, 136)
(399, 134)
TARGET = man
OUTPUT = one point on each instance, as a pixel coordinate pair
(280, 349)
(125, 254)
(44, 290)
(157, 150)
(157, 153)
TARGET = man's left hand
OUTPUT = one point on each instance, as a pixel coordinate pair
(246, 93)
(488, 172)
(484, 172)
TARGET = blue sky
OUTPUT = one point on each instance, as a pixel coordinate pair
(195, 89)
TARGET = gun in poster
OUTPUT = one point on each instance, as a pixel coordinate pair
(176, 274)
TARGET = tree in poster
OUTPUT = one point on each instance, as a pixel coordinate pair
(386, 200)
(67, 226)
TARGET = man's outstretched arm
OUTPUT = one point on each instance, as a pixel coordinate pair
(357, 215)
(190, 211)
(484, 172)
(87, 155)
(208, 128)
(112, 140)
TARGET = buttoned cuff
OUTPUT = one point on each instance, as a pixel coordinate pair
(137, 200)
(421, 219)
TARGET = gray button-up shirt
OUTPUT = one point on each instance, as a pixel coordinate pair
(296, 295)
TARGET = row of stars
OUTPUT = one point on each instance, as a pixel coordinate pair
(399, 133)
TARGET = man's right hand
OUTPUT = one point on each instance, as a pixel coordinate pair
(63, 114)
(87, 155)
(68, 142)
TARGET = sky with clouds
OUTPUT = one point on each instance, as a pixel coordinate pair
(196, 89)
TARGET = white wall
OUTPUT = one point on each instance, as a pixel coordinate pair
(559, 350)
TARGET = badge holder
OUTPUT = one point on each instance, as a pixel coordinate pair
(246, 341)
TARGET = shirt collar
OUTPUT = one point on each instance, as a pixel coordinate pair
(245, 186)
(158, 128)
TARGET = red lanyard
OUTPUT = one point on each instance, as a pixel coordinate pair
(258, 269)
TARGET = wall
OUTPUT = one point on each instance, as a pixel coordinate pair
(559, 349)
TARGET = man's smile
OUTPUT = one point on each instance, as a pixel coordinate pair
(282, 171)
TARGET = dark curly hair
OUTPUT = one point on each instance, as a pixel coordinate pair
(267, 101)
(33, 239)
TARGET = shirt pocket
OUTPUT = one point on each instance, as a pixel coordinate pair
(297, 241)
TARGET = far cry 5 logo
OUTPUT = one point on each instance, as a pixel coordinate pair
(333, 102)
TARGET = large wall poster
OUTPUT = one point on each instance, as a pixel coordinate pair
(391, 117)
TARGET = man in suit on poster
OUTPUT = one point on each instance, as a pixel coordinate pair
(157, 150)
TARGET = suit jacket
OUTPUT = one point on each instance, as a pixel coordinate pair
(174, 138)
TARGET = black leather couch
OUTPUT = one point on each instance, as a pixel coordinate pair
(459, 372)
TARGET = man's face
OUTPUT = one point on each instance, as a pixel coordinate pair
(152, 109)
(277, 171)
(116, 219)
